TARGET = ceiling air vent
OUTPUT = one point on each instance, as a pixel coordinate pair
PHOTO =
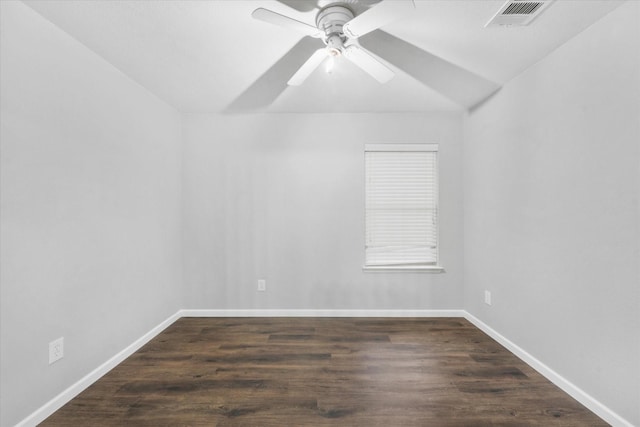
(518, 12)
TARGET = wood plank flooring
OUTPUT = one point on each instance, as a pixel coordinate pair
(323, 372)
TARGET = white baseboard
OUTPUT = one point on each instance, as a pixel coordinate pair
(60, 400)
(321, 313)
(567, 386)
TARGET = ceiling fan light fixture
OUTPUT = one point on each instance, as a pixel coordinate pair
(331, 61)
(335, 45)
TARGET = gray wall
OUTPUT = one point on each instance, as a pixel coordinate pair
(281, 197)
(90, 199)
(551, 211)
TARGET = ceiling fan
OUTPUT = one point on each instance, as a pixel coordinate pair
(340, 29)
(355, 36)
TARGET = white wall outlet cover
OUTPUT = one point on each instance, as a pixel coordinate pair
(56, 350)
(487, 297)
(262, 285)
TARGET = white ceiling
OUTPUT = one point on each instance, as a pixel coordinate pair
(212, 56)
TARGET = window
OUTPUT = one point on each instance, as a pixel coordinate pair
(401, 206)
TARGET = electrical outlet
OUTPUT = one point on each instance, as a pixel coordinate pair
(487, 297)
(262, 285)
(56, 350)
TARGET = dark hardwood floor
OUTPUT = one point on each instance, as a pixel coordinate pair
(323, 371)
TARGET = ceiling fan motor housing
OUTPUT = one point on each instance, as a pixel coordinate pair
(331, 19)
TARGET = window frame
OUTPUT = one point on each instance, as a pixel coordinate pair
(407, 147)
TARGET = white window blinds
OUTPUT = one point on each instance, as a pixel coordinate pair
(401, 204)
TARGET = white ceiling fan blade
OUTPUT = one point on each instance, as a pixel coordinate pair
(378, 16)
(308, 67)
(273, 82)
(368, 63)
(456, 83)
(284, 21)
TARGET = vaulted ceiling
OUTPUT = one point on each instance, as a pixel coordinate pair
(212, 56)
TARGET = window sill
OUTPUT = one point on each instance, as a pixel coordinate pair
(404, 269)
